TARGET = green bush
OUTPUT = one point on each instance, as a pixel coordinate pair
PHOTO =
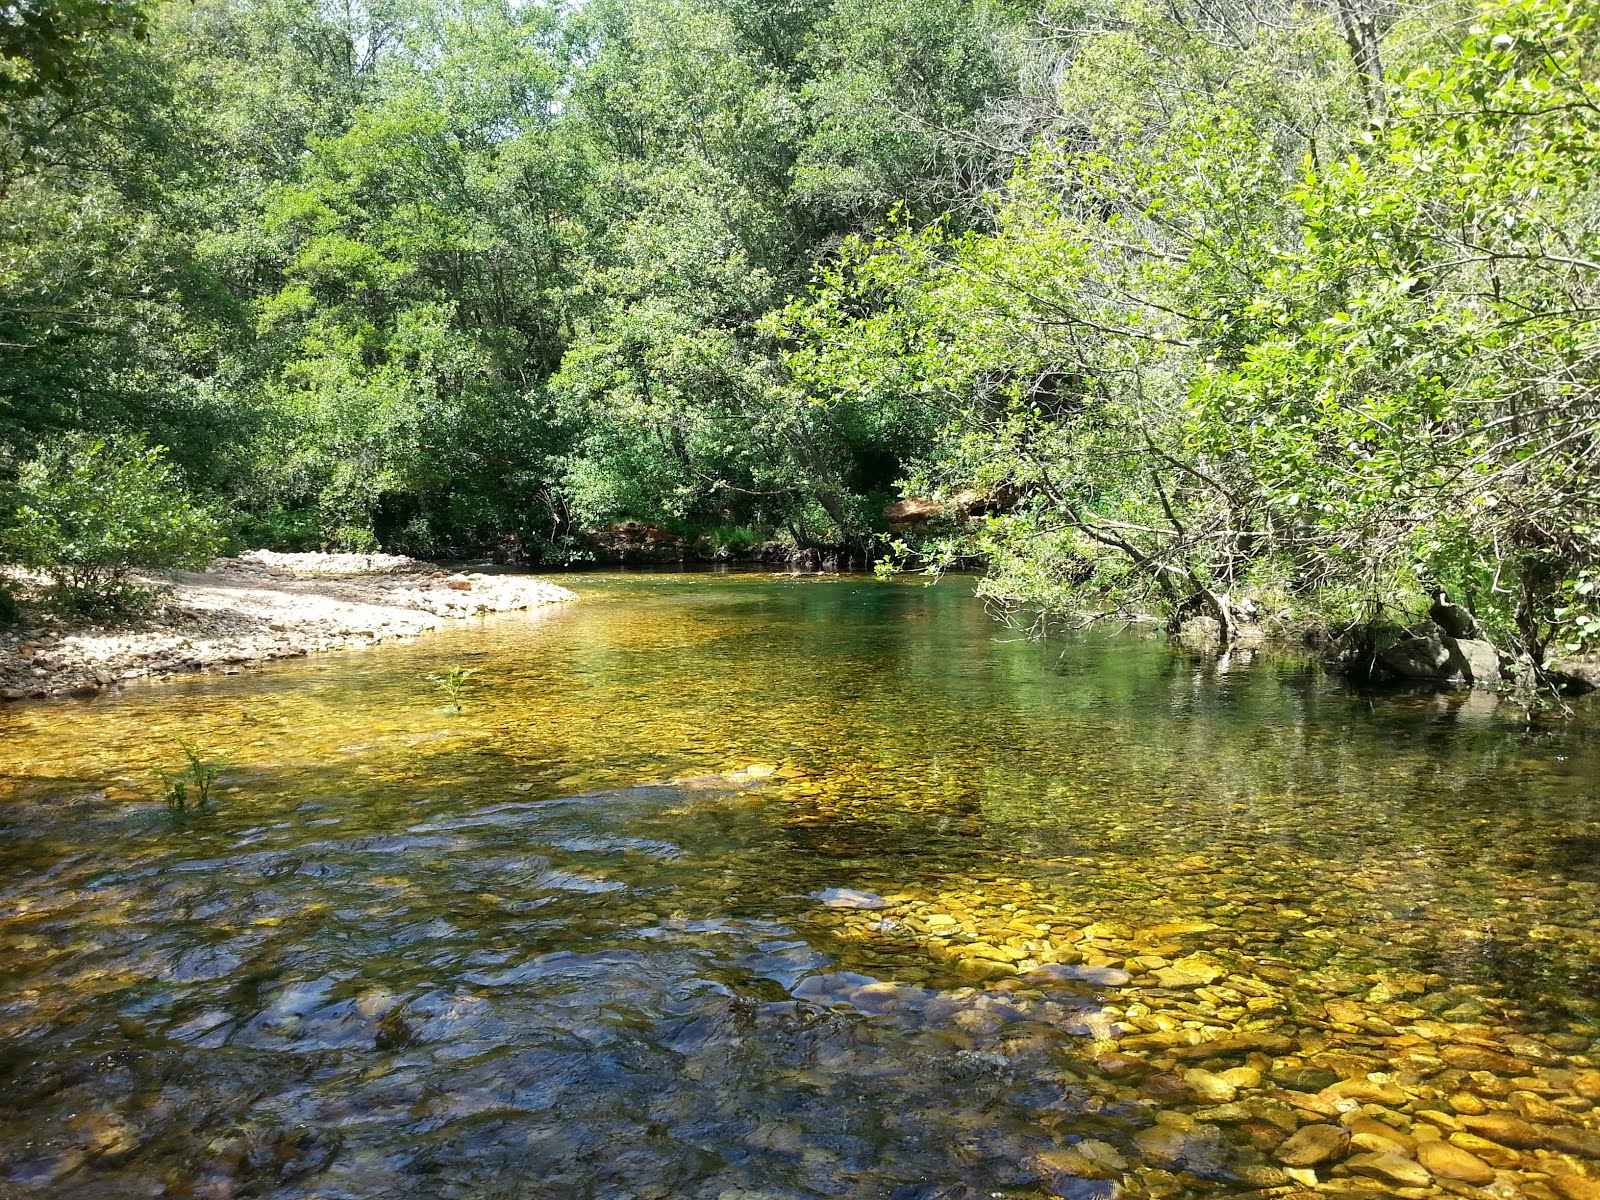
(94, 509)
(276, 528)
(9, 614)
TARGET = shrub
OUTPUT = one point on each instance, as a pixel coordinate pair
(730, 541)
(96, 508)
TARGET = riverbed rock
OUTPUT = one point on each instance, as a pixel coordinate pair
(1083, 973)
(844, 897)
(1505, 1129)
(1379, 1136)
(108, 1138)
(1208, 1088)
(1466, 1104)
(1492, 1153)
(1248, 1042)
(1451, 1162)
(979, 969)
(1072, 1163)
(1390, 1168)
(1200, 1150)
(1364, 1091)
(1585, 1143)
(1299, 1076)
(1575, 1187)
(1191, 972)
(1313, 1144)
(1531, 1106)
(1480, 1058)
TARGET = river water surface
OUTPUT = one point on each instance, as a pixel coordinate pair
(759, 888)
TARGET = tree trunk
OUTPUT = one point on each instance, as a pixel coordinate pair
(1358, 20)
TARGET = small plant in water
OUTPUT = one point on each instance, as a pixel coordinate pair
(453, 683)
(193, 784)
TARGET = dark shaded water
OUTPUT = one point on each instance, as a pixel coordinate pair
(497, 953)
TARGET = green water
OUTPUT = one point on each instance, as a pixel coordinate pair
(497, 953)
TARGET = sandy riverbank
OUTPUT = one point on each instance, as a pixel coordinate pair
(255, 608)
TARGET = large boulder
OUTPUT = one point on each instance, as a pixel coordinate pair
(916, 512)
(970, 502)
(1432, 654)
(1577, 673)
(912, 513)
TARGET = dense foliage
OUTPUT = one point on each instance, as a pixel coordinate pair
(1222, 354)
(1210, 307)
(93, 509)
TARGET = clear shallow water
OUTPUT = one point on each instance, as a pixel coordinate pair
(496, 953)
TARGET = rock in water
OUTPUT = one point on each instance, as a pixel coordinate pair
(1071, 1163)
(1587, 1083)
(1390, 1168)
(1301, 1076)
(1492, 1153)
(843, 897)
(1209, 1088)
(1191, 972)
(1576, 1187)
(1435, 655)
(1313, 1144)
(1100, 976)
(1584, 1143)
(1505, 1129)
(1384, 1138)
(1480, 1058)
(1201, 1151)
(1248, 1042)
(1452, 1162)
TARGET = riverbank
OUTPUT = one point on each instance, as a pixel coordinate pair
(253, 609)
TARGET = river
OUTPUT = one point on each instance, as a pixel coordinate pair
(748, 887)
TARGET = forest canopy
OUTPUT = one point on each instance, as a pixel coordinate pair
(1206, 306)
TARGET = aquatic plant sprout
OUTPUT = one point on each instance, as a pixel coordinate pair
(200, 773)
(453, 683)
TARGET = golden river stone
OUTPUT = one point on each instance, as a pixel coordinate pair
(1452, 1162)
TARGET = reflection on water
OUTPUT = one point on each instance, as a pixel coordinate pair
(1004, 920)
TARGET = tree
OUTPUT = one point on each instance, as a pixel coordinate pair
(1196, 375)
(1427, 401)
(49, 47)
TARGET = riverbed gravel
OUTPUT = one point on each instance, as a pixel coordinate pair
(1284, 1081)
